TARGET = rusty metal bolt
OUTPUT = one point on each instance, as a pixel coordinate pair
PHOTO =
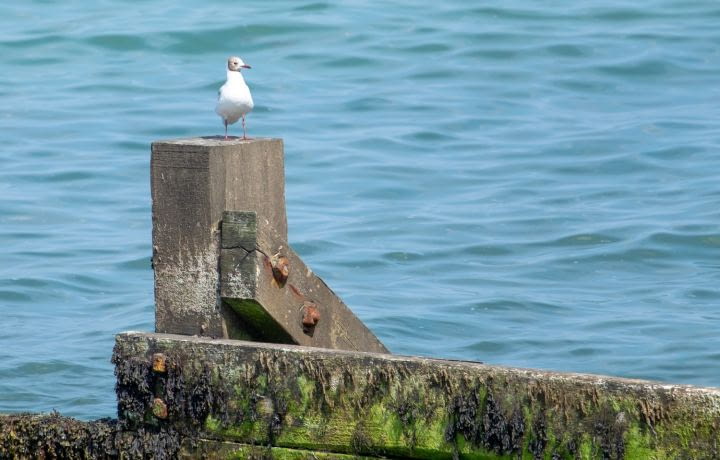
(159, 408)
(311, 315)
(159, 363)
(280, 268)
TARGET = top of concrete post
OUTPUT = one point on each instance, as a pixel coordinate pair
(216, 141)
(246, 175)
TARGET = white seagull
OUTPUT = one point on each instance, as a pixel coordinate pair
(234, 98)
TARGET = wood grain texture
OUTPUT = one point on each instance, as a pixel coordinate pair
(246, 264)
(193, 181)
(206, 448)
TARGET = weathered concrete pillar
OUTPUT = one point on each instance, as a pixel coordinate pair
(213, 197)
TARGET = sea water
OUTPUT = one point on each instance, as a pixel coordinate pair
(521, 183)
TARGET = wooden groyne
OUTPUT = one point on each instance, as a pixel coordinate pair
(255, 357)
(194, 397)
(240, 393)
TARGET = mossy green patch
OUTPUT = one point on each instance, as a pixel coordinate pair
(247, 430)
(637, 446)
(206, 448)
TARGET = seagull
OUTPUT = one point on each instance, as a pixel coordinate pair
(234, 98)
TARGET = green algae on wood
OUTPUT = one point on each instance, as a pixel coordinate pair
(382, 405)
(233, 451)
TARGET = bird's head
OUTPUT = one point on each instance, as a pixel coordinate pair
(235, 64)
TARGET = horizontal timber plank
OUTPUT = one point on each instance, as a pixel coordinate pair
(383, 405)
(205, 448)
(53, 436)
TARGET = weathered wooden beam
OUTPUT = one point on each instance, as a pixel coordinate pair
(354, 403)
(194, 181)
(270, 288)
(52, 436)
(205, 448)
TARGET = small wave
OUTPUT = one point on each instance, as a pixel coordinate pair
(367, 104)
(568, 50)
(615, 15)
(402, 256)
(51, 366)
(430, 136)
(68, 176)
(349, 62)
(14, 297)
(525, 14)
(639, 68)
(46, 39)
(676, 240)
(118, 42)
(317, 6)
(585, 239)
(703, 294)
(432, 74)
(427, 48)
(138, 263)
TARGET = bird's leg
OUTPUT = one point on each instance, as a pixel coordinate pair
(244, 133)
(225, 121)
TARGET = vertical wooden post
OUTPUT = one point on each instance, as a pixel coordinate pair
(223, 267)
(193, 182)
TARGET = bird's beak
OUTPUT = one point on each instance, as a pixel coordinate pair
(245, 66)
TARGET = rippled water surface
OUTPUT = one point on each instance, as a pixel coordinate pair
(527, 184)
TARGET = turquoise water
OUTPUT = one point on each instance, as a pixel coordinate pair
(532, 184)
